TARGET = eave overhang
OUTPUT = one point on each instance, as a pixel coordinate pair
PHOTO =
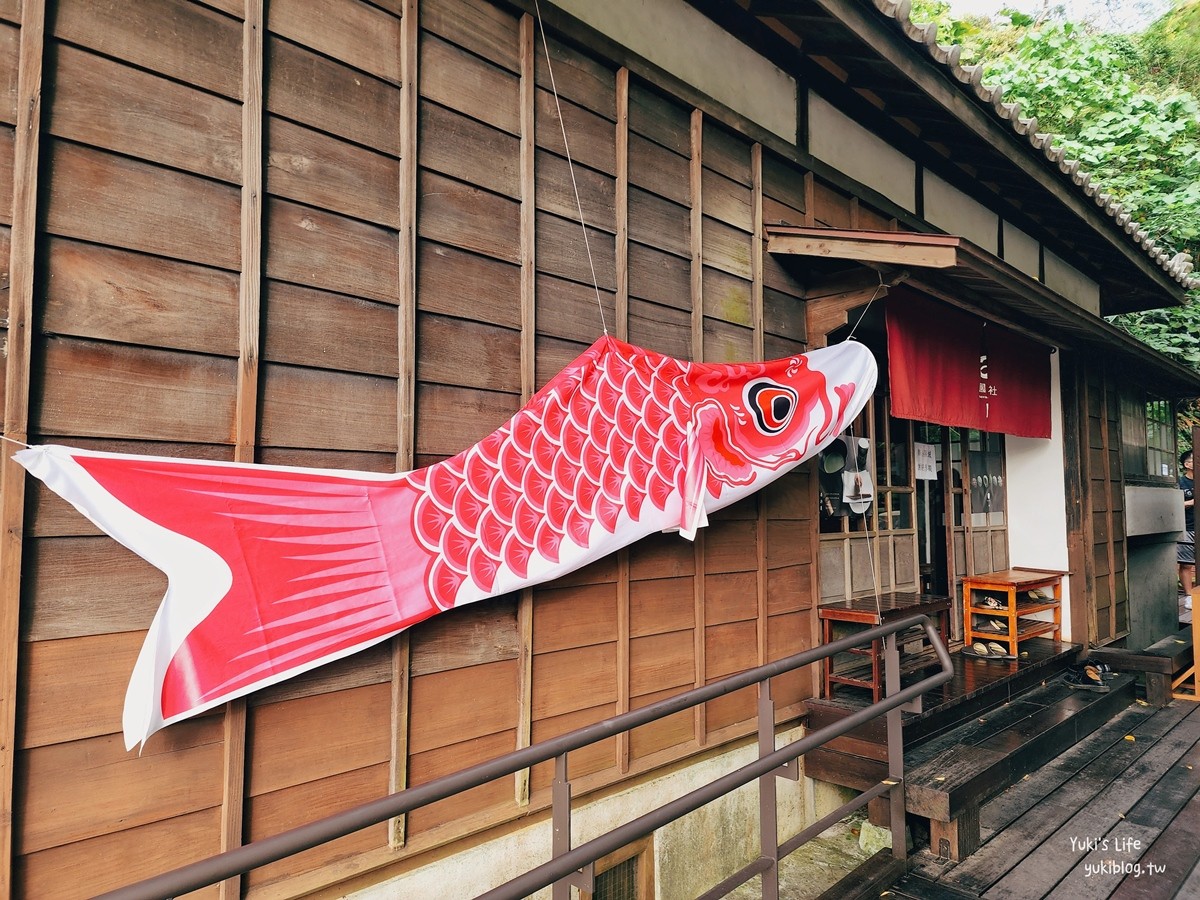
(959, 272)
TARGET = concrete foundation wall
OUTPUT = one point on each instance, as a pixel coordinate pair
(691, 854)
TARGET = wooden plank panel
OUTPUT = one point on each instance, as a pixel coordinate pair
(787, 635)
(480, 633)
(789, 589)
(659, 223)
(83, 789)
(106, 104)
(730, 597)
(476, 25)
(659, 662)
(115, 860)
(458, 80)
(308, 327)
(659, 170)
(446, 276)
(777, 347)
(311, 738)
(104, 390)
(50, 711)
(348, 30)
(831, 207)
(561, 251)
(726, 153)
(660, 277)
(592, 138)
(660, 605)
(776, 276)
(113, 295)
(578, 78)
(181, 40)
(291, 807)
(570, 311)
(661, 556)
(784, 182)
(7, 148)
(665, 329)
(678, 728)
(324, 250)
(316, 169)
(494, 795)
(324, 94)
(555, 192)
(574, 617)
(355, 460)
(727, 248)
(337, 410)
(464, 216)
(583, 762)
(468, 150)
(458, 704)
(784, 316)
(730, 648)
(727, 200)
(112, 200)
(731, 546)
(732, 709)
(366, 667)
(88, 585)
(445, 343)
(451, 419)
(787, 544)
(570, 680)
(10, 40)
(727, 297)
(654, 116)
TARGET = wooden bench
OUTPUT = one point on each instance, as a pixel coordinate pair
(948, 778)
(1159, 663)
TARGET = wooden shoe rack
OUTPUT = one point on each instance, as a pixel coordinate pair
(1007, 598)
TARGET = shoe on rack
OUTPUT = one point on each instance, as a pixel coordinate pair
(991, 603)
(980, 648)
(997, 649)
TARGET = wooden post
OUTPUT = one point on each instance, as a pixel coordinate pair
(16, 399)
(528, 157)
(696, 172)
(622, 331)
(406, 389)
(246, 408)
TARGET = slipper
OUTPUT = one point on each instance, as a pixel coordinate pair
(991, 603)
(980, 649)
(997, 625)
(997, 649)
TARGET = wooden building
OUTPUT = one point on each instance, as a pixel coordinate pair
(344, 234)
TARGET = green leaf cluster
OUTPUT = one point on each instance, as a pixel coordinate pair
(1125, 106)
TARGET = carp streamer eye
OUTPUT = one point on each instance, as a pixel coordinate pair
(772, 405)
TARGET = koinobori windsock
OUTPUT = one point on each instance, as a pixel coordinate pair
(272, 571)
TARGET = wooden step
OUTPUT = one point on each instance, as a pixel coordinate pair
(869, 880)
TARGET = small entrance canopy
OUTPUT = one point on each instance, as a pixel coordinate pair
(952, 269)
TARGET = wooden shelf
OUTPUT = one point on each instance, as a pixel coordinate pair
(1011, 588)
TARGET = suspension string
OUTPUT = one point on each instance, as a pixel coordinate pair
(875, 296)
(4, 437)
(570, 164)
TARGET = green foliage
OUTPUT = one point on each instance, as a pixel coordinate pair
(1121, 105)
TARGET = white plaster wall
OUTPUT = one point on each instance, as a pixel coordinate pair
(955, 213)
(690, 855)
(1021, 251)
(1065, 279)
(1037, 499)
(854, 151)
(676, 37)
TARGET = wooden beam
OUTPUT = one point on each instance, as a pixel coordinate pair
(528, 155)
(621, 203)
(925, 250)
(233, 793)
(829, 313)
(406, 389)
(16, 399)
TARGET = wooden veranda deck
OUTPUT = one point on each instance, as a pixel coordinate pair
(1115, 816)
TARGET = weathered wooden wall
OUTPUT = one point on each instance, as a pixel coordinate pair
(278, 237)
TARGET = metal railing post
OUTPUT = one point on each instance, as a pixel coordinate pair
(895, 743)
(768, 811)
(560, 800)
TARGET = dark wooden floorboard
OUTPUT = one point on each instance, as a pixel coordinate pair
(1059, 852)
(1144, 722)
(1037, 807)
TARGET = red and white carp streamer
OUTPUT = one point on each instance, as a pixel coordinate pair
(275, 570)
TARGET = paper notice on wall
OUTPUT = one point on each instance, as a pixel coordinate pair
(926, 461)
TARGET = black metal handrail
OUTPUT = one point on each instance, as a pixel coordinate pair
(567, 865)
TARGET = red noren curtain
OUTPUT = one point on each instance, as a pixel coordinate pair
(952, 368)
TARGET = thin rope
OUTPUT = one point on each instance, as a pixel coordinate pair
(867, 309)
(4, 437)
(570, 164)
